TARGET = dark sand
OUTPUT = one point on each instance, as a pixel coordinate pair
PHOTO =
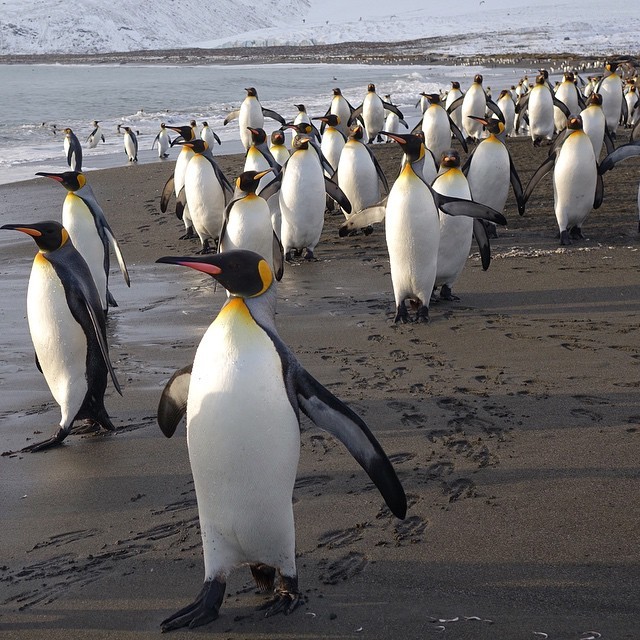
(512, 419)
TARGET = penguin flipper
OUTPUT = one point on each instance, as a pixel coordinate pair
(458, 134)
(516, 185)
(355, 114)
(403, 123)
(337, 194)
(465, 167)
(482, 240)
(455, 104)
(330, 414)
(173, 401)
(234, 115)
(269, 113)
(540, 173)
(599, 194)
(119, 256)
(618, 155)
(272, 188)
(278, 257)
(111, 301)
(379, 170)
(156, 139)
(364, 218)
(608, 142)
(392, 107)
(166, 193)
(496, 109)
(38, 362)
(461, 207)
(562, 106)
(181, 203)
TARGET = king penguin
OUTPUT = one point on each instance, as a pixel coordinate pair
(278, 148)
(68, 330)
(163, 141)
(95, 136)
(243, 435)
(209, 135)
(610, 88)
(437, 127)
(372, 111)
(342, 108)
(72, 150)
(130, 144)
(333, 141)
(87, 226)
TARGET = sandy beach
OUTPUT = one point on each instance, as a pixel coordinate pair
(512, 419)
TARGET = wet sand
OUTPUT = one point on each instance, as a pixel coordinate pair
(512, 419)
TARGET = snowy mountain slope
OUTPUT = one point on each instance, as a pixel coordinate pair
(463, 27)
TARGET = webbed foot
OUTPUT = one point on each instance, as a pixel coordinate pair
(204, 609)
(53, 441)
(446, 294)
(286, 600)
(565, 240)
(402, 315)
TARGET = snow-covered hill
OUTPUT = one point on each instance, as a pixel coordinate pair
(462, 27)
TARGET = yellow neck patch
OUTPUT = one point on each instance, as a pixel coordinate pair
(267, 277)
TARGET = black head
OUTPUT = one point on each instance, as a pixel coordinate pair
(455, 84)
(356, 132)
(595, 98)
(337, 92)
(49, 235)
(332, 120)
(478, 78)
(371, 87)
(300, 107)
(450, 158)
(411, 144)
(574, 123)
(186, 133)
(277, 137)
(244, 274)
(70, 180)
(248, 181)
(198, 146)
(258, 136)
(251, 91)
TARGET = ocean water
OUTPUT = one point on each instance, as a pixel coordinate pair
(36, 97)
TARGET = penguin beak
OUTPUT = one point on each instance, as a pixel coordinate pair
(321, 118)
(484, 121)
(393, 136)
(25, 229)
(54, 176)
(263, 173)
(199, 264)
(178, 140)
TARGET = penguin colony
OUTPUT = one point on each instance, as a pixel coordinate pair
(271, 214)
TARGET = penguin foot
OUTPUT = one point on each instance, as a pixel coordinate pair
(188, 235)
(368, 230)
(445, 294)
(308, 255)
(85, 427)
(286, 600)
(565, 239)
(53, 441)
(576, 232)
(537, 142)
(402, 315)
(423, 312)
(264, 575)
(204, 609)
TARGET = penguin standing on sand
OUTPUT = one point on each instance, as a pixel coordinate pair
(303, 192)
(247, 223)
(453, 95)
(207, 192)
(95, 136)
(508, 108)
(209, 135)
(87, 226)
(475, 102)
(251, 114)
(567, 93)
(163, 141)
(359, 173)
(278, 148)
(72, 150)
(68, 330)
(577, 187)
(243, 435)
(610, 88)
(539, 103)
(372, 111)
(437, 127)
(333, 141)
(342, 108)
(130, 144)
(412, 230)
(594, 124)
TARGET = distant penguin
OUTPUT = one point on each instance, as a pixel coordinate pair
(95, 136)
(68, 330)
(474, 103)
(610, 88)
(372, 113)
(456, 232)
(392, 121)
(302, 115)
(163, 141)
(302, 197)
(437, 127)
(243, 435)
(209, 135)
(333, 141)
(633, 106)
(130, 144)
(568, 93)
(539, 103)
(594, 124)
(88, 229)
(207, 192)
(251, 114)
(508, 108)
(194, 128)
(359, 174)
(412, 227)
(342, 108)
(454, 94)
(72, 150)
(247, 223)
(577, 187)
(278, 148)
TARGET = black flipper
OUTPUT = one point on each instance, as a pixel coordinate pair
(562, 106)
(181, 203)
(540, 173)
(278, 257)
(38, 362)
(455, 104)
(392, 107)
(355, 115)
(461, 207)
(496, 109)
(458, 134)
(608, 141)
(337, 194)
(482, 239)
(618, 155)
(167, 192)
(268, 113)
(232, 116)
(173, 401)
(599, 195)
(516, 185)
(379, 170)
(329, 413)
(272, 188)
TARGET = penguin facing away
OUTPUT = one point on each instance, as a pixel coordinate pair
(68, 330)
(96, 135)
(244, 438)
(72, 150)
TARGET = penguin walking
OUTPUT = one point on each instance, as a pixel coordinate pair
(209, 135)
(95, 136)
(359, 174)
(475, 102)
(341, 108)
(577, 186)
(594, 124)
(175, 182)
(610, 88)
(251, 114)
(303, 192)
(539, 103)
(372, 111)
(568, 94)
(207, 192)
(437, 127)
(413, 231)
(247, 223)
(333, 141)
(243, 435)
(68, 330)
(87, 226)
(130, 144)
(72, 150)
(454, 94)
(163, 141)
